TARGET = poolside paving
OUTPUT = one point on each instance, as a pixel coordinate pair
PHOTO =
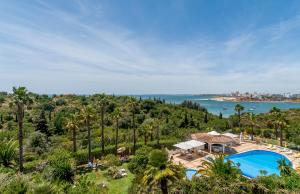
(243, 147)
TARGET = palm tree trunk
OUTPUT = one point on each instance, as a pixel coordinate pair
(252, 133)
(89, 140)
(102, 130)
(276, 132)
(20, 123)
(158, 135)
(117, 136)
(239, 114)
(134, 133)
(164, 186)
(281, 137)
(74, 141)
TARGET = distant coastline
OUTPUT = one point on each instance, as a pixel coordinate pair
(243, 99)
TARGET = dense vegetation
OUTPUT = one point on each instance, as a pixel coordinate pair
(51, 139)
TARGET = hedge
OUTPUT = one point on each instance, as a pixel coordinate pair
(81, 156)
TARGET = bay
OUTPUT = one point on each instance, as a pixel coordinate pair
(224, 107)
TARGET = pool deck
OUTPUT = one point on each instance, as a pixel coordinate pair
(243, 147)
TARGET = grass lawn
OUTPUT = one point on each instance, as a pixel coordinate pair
(115, 186)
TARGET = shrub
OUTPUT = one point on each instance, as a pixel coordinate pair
(140, 160)
(158, 158)
(16, 184)
(111, 160)
(38, 142)
(44, 188)
(61, 166)
(113, 172)
(83, 185)
(7, 152)
(81, 156)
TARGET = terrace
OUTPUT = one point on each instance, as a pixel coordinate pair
(213, 143)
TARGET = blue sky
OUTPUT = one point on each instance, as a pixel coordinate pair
(142, 46)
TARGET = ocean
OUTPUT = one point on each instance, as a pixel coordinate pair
(226, 108)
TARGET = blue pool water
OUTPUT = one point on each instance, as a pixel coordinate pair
(252, 162)
(190, 173)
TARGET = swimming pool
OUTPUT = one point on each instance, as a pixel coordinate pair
(253, 162)
(190, 173)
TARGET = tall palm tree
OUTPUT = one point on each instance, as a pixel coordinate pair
(219, 167)
(87, 116)
(73, 125)
(2, 100)
(133, 108)
(275, 115)
(239, 108)
(21, 99)
(160, 173)
(102, 104)
(250, 120)
(116, 115)
(282, 124)
(146, 131)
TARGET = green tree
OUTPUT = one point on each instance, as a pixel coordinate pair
(239, 108)
(21, 99)
(38, 142)
(87, 116)
(275, 115)
(2, 100)
(116, 116)
(42, 125)
(146, 129)
(133, 109)
(282, 125)
(72, 125)
(103, 103)
(285, 167)
(160, 173)
(50, 107)
(249, 119)
(219, 167)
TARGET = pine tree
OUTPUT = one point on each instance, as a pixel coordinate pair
(206, 117)
(42, 125)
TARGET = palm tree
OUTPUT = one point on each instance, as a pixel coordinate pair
(146, 131)
(102, 104)
(2, 100)
(219, 167)
(87, 116)
(116, 115)
(21, 99)
(160, 173)
(275, 115)
(73, 125)
(7, 152)
(282, 124)
(133, 108)
(239, 108)
(285, 167)
(250, 120)
(50, 107)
